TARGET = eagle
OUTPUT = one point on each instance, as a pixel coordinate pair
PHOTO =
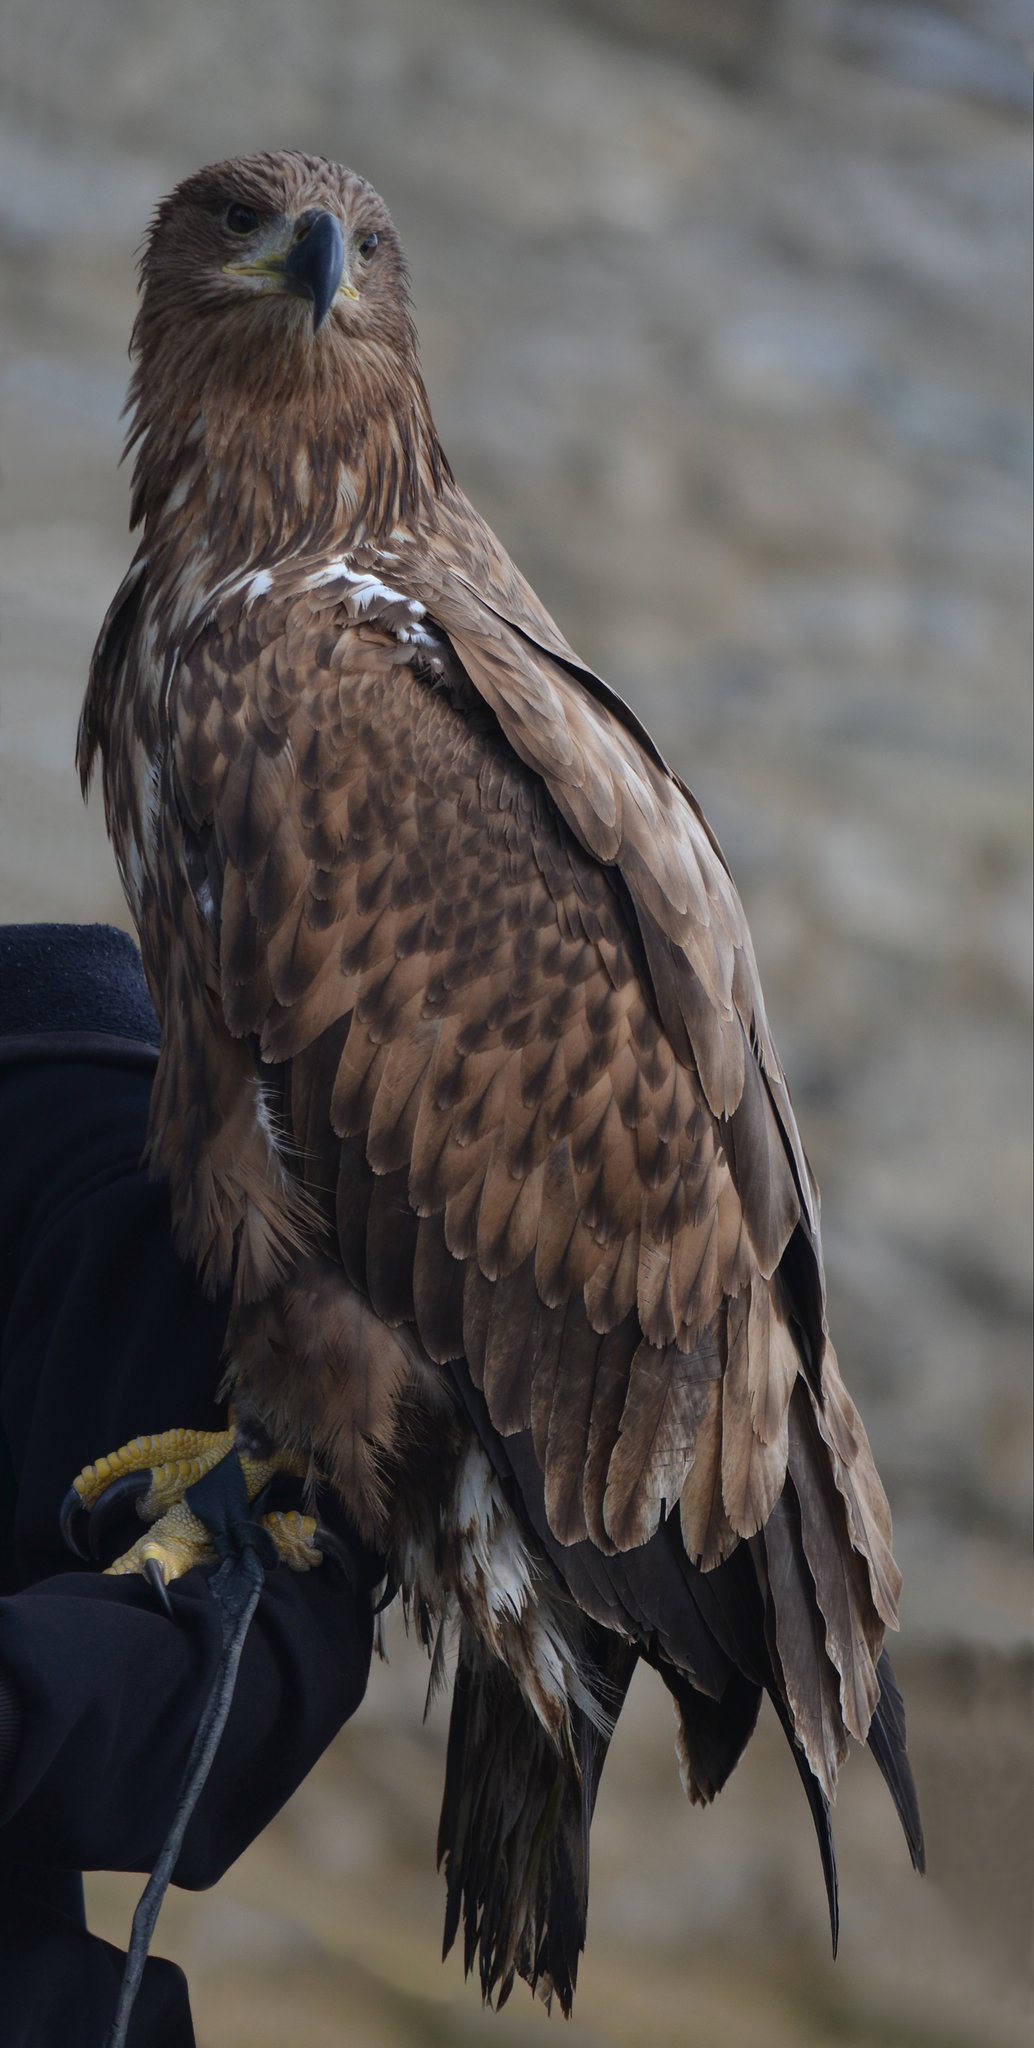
(466, 1089)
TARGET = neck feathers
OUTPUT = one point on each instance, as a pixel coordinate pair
(244, 456)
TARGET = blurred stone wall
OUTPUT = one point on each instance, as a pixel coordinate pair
(724, 314)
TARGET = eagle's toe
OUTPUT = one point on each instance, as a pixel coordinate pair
(155, 1477)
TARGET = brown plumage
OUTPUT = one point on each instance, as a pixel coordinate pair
(466, 1082)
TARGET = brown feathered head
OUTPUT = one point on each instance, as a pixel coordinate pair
(274, 336)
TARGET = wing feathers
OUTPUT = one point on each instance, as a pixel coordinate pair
(753, 1471)
(707, 1533)
(564, 1147)
(811, 1684)
(508, 1357)
(773, 1364)
(391, 1242)
(396, 1105)
(858, 1483)
(854, 1632)
(668, 1399)
(438, 1290)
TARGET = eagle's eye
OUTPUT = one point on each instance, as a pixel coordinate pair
(367, 246)
(241, 220)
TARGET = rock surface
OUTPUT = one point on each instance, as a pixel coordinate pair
(724, 319)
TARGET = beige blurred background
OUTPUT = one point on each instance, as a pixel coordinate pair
(723, 307)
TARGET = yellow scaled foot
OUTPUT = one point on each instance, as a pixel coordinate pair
(295, 1538)
(175, 1460)
(178, 1541)
(155, 1472)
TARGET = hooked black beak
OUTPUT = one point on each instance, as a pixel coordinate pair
(315, 262)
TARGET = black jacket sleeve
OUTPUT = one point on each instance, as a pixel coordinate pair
(104, 1334)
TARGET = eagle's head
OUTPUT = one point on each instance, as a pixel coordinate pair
(278, 244)
(274, 332)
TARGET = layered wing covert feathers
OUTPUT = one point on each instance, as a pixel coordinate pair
(502, 962)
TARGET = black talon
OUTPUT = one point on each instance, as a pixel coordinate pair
(73, 1523)
(391, 1587)
(129, 1487)
(153, 1575)
(338, 1552)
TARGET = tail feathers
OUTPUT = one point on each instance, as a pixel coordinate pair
(820, 1814)
(712, 1734)
(887, 1742)
(806, 1682)
(853, 1628)
(886, 1731)
(514, 1831)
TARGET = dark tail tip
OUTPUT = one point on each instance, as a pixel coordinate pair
(820, 1814)
(888, 1744)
